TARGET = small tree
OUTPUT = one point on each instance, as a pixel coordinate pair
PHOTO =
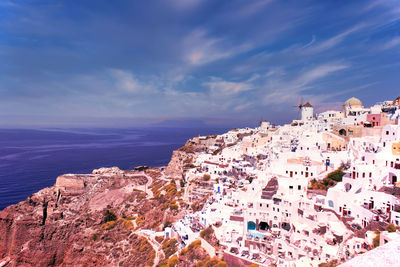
(345, 165)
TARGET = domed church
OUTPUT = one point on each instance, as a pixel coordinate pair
(351, 103)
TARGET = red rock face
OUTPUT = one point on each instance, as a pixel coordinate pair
(58, 226)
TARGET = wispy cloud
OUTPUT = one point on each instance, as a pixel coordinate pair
(193, 57)
(319, 72)
(127, 82)
(282, 89)
(202, 49)
(337, 39)
(391, 44)
(392, 6)
(184, 4)
(253, 7)
(219, 86)
(244, 106)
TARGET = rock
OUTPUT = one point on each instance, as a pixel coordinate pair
(69, 182)
(112, 170)
(178, 161)
(55, 228)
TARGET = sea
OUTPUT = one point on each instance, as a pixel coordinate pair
(32, 159)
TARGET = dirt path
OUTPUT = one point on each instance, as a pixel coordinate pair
(145, 188)
(156, 246)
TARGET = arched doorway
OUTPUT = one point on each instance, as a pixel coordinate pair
(286, 226)
(342, 132)
(251, 225)
(264, 226)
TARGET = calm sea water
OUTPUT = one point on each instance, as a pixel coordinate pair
(32, 159)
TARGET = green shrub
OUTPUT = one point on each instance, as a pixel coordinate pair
(206, 233)
(194, 244)
(328, 264)
(169, 247)
(211, 262)
(95, 237)
(336, 175)
(109, 216)
(206, 177)
(330, 180)
(392, 228)
(217, 151)
(376, 239)
(173, 206)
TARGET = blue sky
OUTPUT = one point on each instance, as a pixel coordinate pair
(129, 63)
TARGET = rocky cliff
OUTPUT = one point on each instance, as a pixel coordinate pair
(90, 220)
(180, 161)
(101, 218)
(184, 158)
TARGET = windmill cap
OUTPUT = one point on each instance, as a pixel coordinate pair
(307, 105)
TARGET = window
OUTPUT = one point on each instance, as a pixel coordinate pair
(299, 186)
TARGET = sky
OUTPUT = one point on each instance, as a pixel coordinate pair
(212, 62)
